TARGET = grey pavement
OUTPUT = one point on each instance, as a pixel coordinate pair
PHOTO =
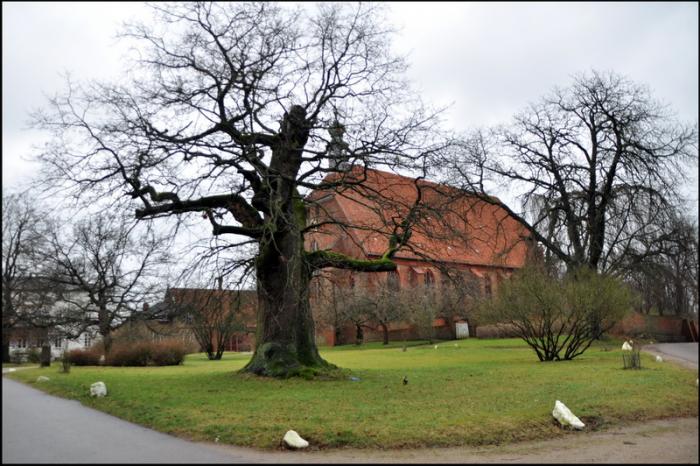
(40, 428)
(683, 353)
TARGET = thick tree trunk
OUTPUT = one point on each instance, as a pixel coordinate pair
(285, 337)
(45, 358)
(107, 341)
(285, 342)
(338, 336)
(45, 355)
(385, 333)
(5, 352)
(359, 334)
(209, 349)
(5, 345)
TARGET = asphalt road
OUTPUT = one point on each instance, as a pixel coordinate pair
(40, 428)
(685, 353)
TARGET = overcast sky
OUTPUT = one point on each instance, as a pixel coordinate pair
(486, 59)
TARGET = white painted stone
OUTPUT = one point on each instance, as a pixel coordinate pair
(42, 378)
(659, 359)
(626, 347)
(98, 389)
(11, 369)
(293, 440)
(435, 346)
(565, 417)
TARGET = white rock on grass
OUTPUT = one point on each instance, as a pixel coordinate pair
(11, 369)
(626, 347)
(293, 440)
(98, 389)
(42, 378)
(435, 346)
(565, 417)
(659, 359)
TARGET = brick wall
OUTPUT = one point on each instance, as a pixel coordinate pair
(661, 328)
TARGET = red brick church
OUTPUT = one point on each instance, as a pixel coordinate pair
(452, 231)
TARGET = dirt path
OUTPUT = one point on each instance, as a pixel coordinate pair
(663, 441)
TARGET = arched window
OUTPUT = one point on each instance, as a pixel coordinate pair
(429, 279)
(393, 280)
(487, 286)
(413, 277)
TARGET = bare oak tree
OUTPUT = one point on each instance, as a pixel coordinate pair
(597, 165)
(666, 280)
(109, 268)
(23, 302)
(232, 112)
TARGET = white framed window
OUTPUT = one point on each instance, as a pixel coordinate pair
(87, 340)
(57, 342)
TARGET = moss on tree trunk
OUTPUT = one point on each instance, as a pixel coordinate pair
(285, 342)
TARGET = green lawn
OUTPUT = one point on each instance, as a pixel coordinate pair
(480, 392)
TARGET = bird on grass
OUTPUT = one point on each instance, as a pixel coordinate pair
(405, 380)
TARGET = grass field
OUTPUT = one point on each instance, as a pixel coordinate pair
(478, 392)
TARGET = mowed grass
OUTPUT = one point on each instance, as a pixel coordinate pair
(478, 392)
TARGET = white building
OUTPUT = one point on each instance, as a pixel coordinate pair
(48, 301)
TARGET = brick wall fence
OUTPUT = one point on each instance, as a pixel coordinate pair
(660, 328)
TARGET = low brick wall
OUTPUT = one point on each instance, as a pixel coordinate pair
(660, 328)
(495, 331)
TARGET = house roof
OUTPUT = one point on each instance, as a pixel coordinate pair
(205, 297)
(451, 225)
(179, 301)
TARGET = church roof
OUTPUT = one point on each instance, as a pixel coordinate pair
(451, 225)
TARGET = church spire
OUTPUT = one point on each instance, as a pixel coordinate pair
(337, 148)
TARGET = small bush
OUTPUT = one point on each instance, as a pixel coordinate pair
(135, 354)
(631, 360)
(144, 353)
(65, 363)
(34, 355)
(168, 353)
(84, 357)
(495, 331)
(18, 357)
(558, 316)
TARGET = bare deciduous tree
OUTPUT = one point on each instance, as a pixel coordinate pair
(23, 301)
(212, 315)
(352, 305)
(666, 280)
(109, 268)
(597, 165)
(232, 112)
(558, 317)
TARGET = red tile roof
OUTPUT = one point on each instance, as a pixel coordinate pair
(453, 226)
(208, 300)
